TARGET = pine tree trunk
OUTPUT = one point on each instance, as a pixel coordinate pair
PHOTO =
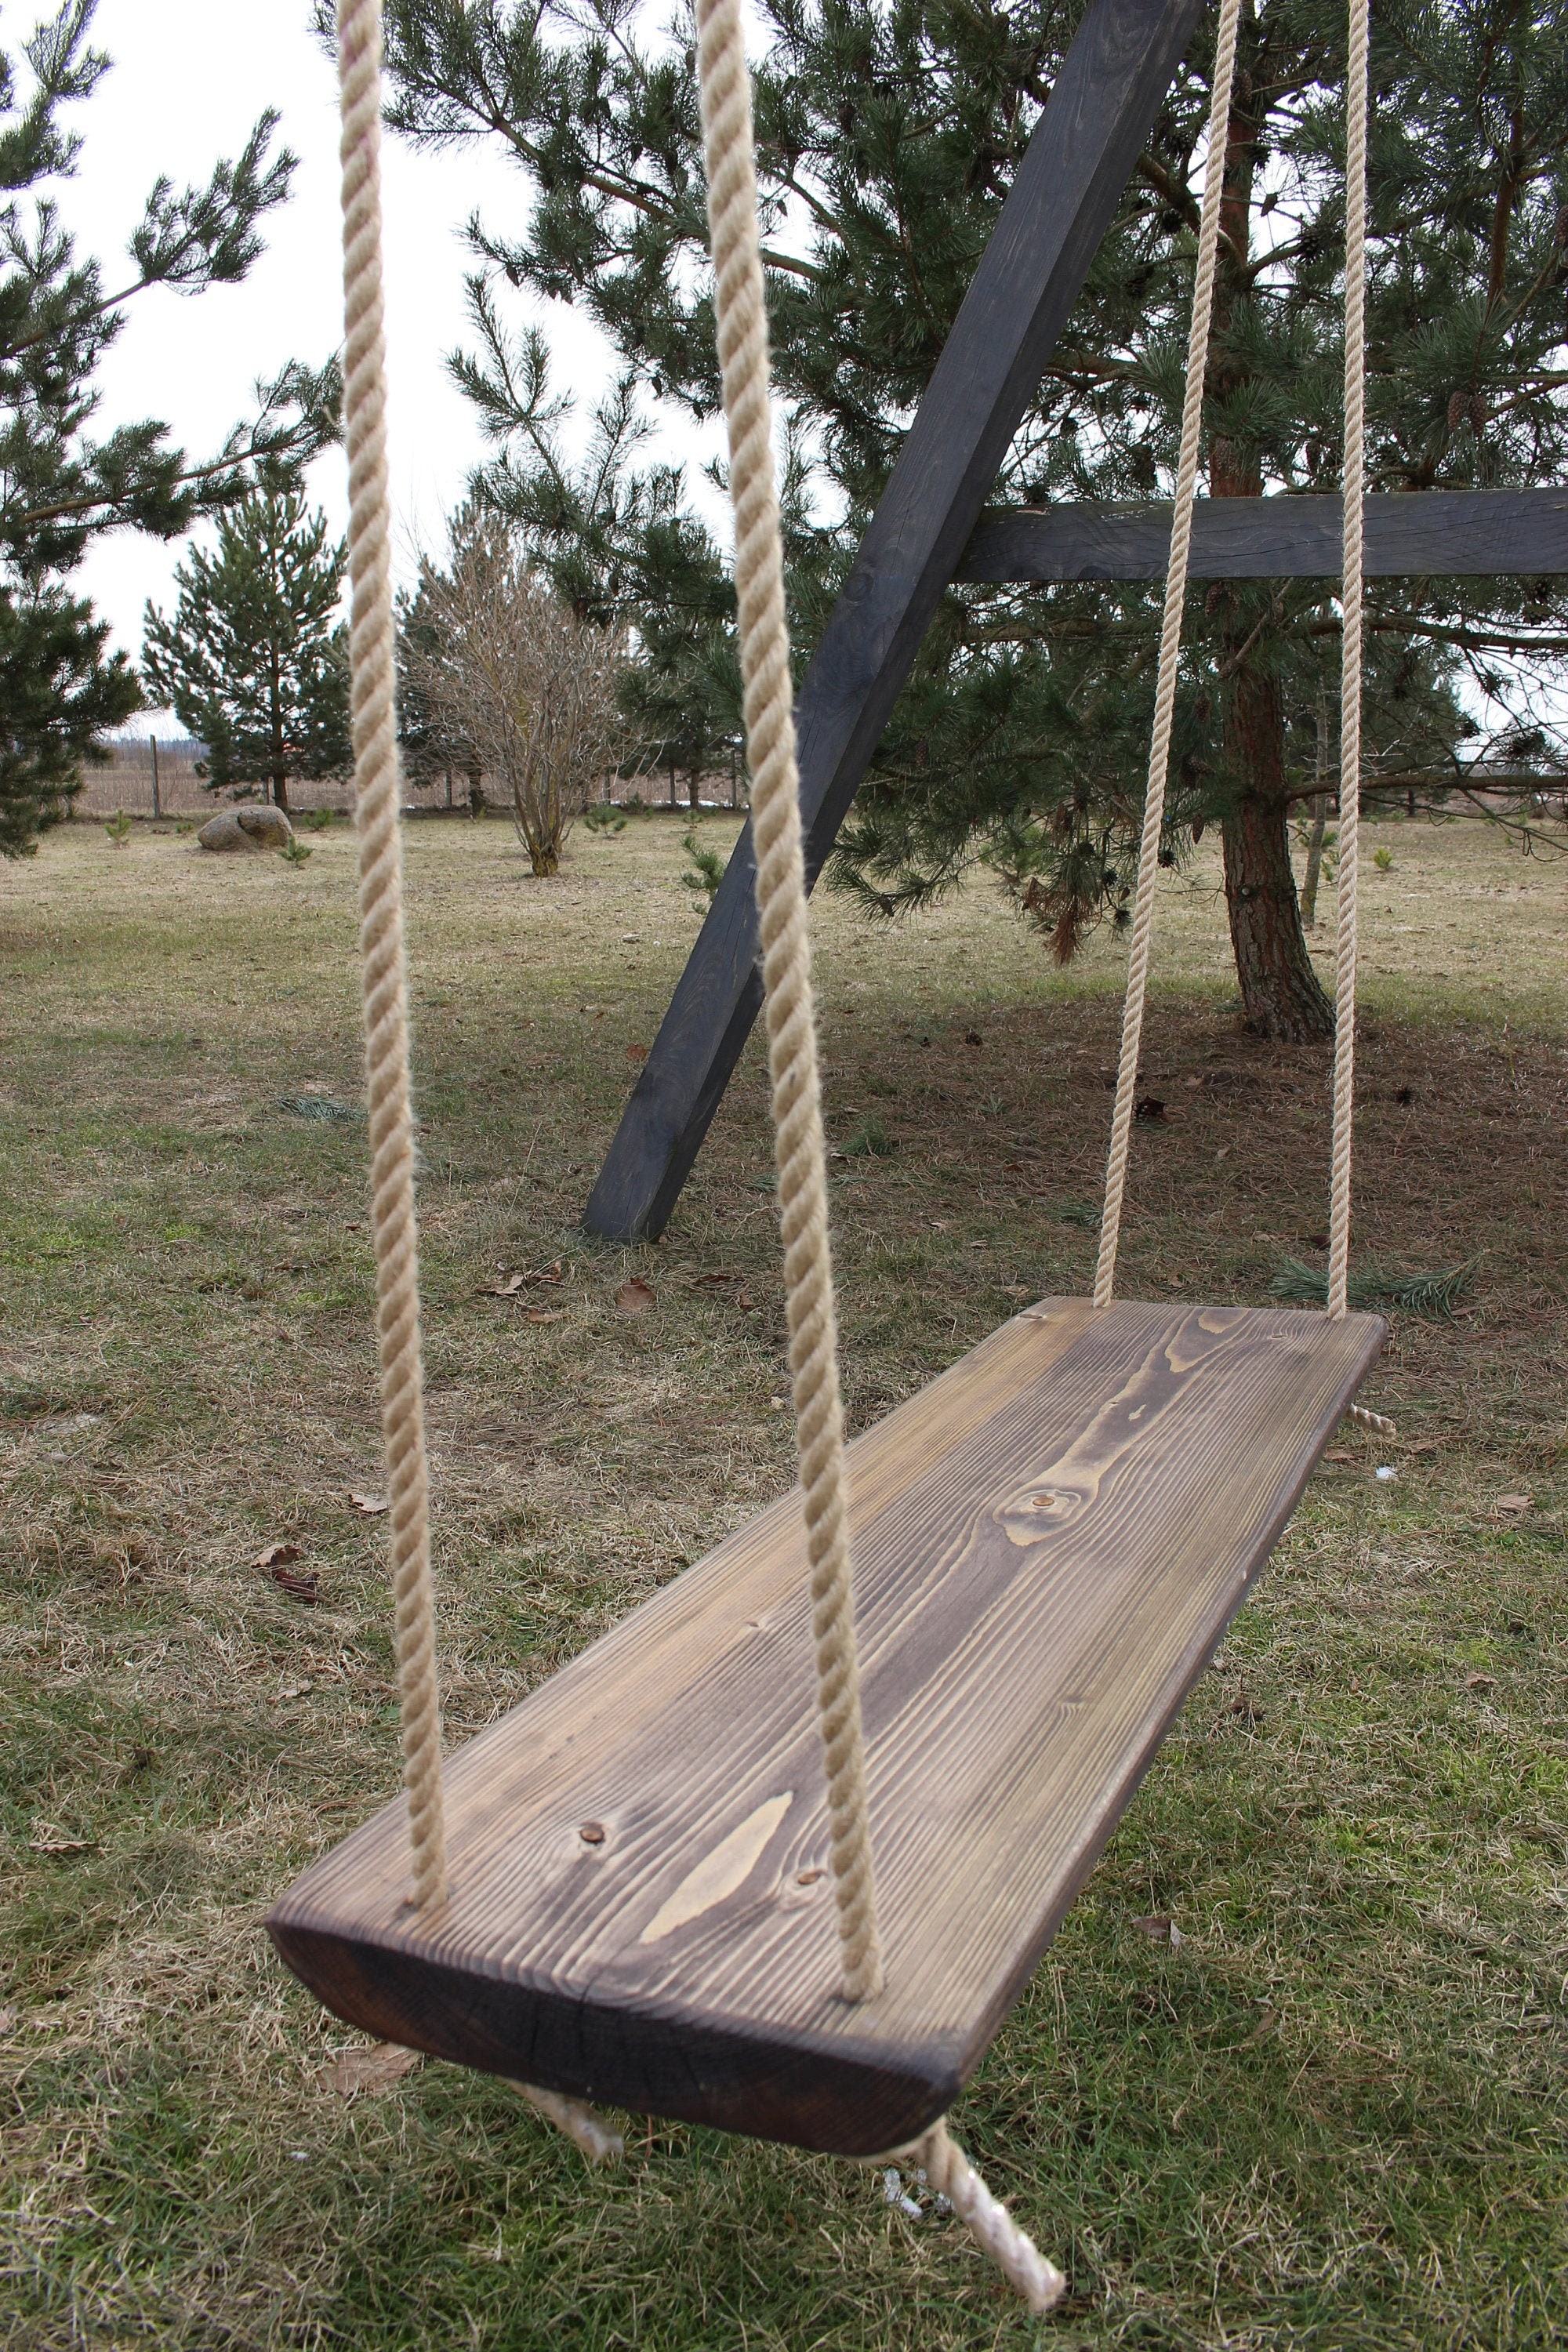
(1280, 993)
(1314, 863)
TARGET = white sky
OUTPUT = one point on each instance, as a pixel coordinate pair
(188, 80)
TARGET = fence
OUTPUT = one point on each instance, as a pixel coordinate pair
(147, 776)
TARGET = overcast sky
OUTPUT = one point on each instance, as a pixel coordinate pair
(188, 80)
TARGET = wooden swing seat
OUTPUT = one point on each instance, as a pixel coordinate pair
(1049, 1541)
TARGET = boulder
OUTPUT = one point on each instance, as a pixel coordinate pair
(247, 828)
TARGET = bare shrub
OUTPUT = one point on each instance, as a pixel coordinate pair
(511, 670)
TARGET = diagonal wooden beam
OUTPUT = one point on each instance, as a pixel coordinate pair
(1064, 198)
(1443, 534)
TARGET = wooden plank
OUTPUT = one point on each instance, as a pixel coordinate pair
(1448, 534)
(1069, 186)
(1049, 1541)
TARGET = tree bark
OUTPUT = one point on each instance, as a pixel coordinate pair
(1280, 993)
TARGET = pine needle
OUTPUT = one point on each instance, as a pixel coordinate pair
(1417, 1294)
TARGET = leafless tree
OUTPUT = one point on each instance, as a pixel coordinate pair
(511, 670)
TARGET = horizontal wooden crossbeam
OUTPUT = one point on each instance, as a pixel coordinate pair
(1447, 534)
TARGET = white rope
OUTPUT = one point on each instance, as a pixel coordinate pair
(1349, 682)
(373, 676)
(1169, 652)
(950, 2174)
(743, 330)
(373, 672)
(584, 2126)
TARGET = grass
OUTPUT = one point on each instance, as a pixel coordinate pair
(1334, 2117)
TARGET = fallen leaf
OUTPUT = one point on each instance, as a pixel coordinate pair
(1247, 1710)
(1268, 2023)
(507, 1289)
(1481, 1682)
(374, 2069)
(1514, 1503)
(1149, 1111)
(277, 1555)
(973, 1037)
(372, 1506)
(1340, 1454)
(703, 1280)
(298, 1588)
(1422, 1445)
(635, 1054)
(545, 1315)
(635, 1296)
(1159, 1929)
(746, 1303)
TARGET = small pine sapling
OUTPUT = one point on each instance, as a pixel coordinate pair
(119, 832)
(295, 853)
(707, 870)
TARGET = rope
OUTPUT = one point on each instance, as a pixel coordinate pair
(1350, 680)
(372, 667)
(742, 332)
(1170, 651)
(584, 2126)
(950, 2173)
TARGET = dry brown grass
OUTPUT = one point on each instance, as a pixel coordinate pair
(1334, 2118)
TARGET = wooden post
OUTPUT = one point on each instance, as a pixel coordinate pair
(157, 811)
(1064, 197)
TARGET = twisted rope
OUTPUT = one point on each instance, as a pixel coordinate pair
(1170, 653)
(584, 2126)
(742, 332)
(1350, 680)
(950, 2173)
(374, 725)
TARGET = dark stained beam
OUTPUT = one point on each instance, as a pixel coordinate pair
(1069, 186)
(1439, 534)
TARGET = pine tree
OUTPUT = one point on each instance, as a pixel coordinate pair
(62, 485)
(253, 660)
(887, 137)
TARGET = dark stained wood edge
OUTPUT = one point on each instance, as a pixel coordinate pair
(789, 2092)
(1440, 534)
(812, 2091)
(1111, 85)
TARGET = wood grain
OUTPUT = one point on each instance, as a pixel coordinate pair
(1443, 534)
(1048, 1542)
(1063, 199)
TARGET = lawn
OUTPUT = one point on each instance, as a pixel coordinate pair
(1332, 2115)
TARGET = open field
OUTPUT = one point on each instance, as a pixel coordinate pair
(1334, 2117)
